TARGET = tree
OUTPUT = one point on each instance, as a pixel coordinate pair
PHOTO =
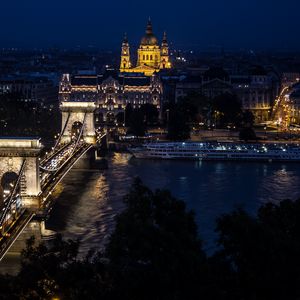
(128, 113)
(227, 109)
(136, 123)
(178, 127)
(120, 117)
(150, 113)
(248, 118)
(155, 252)
(55, 271)
(195, 106)
(137, 119)
(262, 254)
(247, 134)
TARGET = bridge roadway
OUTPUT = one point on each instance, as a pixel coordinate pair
(55, 178)
(8, 239)
(53, 154)
(65, 158)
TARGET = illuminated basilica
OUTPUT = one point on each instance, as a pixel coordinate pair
(151, 57)
(113, 91)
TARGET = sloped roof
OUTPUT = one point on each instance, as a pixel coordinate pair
(216, 73)
(240, 80)
(136, 81)
(84, 80)
(124, 79)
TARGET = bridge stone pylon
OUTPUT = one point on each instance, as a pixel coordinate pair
(13, 152)
(82, 112)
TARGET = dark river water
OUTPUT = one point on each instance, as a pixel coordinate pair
(88, 201)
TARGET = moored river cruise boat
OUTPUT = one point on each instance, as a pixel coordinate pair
(218, 151)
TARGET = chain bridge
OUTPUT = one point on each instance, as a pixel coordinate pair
(33, 176)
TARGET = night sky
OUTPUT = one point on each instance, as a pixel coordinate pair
(190, 24)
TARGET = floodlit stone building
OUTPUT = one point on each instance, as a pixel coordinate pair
(112, 91)
(151, 57)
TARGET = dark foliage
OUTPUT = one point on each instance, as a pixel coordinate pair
(247, 134)
(178, 126)
(227, 109)
(195, 106)
(248, 118)
(155, 253)
(54, 271)
(138, 119)
(150, 113)
(262, 254)
(137, 124)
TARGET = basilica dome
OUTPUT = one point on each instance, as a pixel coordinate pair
(149, 39)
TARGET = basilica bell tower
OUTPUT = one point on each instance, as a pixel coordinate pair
(164, 55)
(125, 64)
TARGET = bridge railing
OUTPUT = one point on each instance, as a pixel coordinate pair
(69, 148)
(7, 240)
(62, 132)
(57, 176)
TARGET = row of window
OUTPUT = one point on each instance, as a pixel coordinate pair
(149, 57)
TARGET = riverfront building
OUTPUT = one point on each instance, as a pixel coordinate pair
(112, 91)
(29, 89)
(256, 89)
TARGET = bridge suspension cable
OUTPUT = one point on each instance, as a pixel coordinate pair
(62, 132)
(69, 150)
(56, 144)
(80, 134)
(11, 197)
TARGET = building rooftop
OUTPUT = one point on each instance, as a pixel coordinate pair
(123, 79)
(84, 80)
(240, 80)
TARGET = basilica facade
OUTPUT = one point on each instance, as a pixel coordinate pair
(151, 57)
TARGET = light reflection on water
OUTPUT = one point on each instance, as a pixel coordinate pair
(90, 200)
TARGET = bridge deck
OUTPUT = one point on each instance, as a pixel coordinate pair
(25, 217)
(13, 233)
(57, 176)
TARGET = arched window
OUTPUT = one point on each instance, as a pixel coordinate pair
(144, 57)
(147, 57)
(150, 57)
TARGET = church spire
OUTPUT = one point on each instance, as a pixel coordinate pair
(164, 40)
(125, 39)
(149, 30)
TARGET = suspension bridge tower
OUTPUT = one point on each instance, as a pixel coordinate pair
(19, 161)
(74, 112)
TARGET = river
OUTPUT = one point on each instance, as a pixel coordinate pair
(88, 200)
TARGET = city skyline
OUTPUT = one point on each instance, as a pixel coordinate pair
(259, 25)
